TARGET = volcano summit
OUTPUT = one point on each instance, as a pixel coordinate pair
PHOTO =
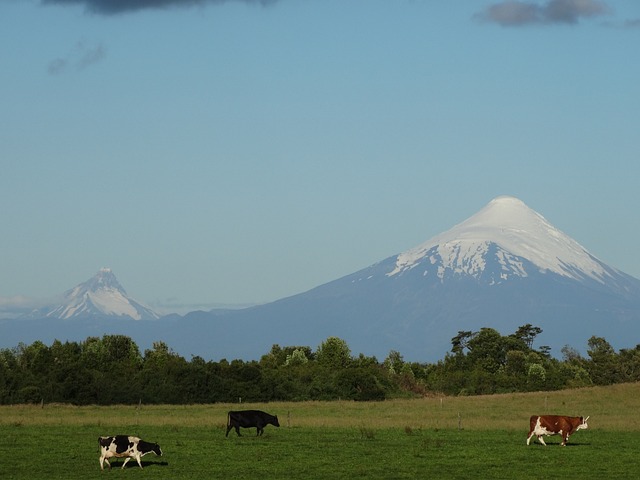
(506, 234)
(101, 295)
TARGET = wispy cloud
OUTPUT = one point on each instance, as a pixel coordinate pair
(82, 56)
(635, 23)
(17, 306)
(114, 7)
(515, 13)
(17, 301)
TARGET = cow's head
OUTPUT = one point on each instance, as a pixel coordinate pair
(156, 449)
(583, 424)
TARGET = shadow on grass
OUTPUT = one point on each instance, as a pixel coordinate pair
(133, 464)
(551, 445)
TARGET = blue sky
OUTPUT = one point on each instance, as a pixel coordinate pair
(243, 151)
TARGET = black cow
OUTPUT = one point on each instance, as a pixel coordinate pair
(248, 419)
(125, 446)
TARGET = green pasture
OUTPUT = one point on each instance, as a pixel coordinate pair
(435, 437)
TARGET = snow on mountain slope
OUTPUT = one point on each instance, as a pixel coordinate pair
(518, 232)
(100, 295)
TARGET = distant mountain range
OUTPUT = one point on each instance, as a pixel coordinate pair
(504, 267)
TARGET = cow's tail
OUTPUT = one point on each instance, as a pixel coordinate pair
(228, 419)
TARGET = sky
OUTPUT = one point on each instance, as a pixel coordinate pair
(232, 152)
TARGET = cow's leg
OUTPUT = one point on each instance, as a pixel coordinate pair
(229, 427)
(126, 460)
(138, 460)
(541, 440)
(238, 430)
(260, 427)
(529, 438)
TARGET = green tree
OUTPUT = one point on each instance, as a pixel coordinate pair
(536, 376)
(394, 362)
(334, 353)
(296, 357)
(571, 355)
(487, 350)
(9, 376)
(602, 366)
(33, 362)
(161, 375)
(113, 365)
(360, 384)
(460, 342)
(527, 334)
(68, 377)
(629, 364)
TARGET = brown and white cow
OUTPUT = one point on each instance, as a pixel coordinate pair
(540, 425)
(127, 447)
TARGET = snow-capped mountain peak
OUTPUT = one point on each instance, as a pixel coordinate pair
(100, 295)
(512, 232)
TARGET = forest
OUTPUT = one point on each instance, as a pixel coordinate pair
(113, 370)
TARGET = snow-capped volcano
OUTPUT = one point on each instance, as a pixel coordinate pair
(101, 295)
(518, 234)
(504, 267)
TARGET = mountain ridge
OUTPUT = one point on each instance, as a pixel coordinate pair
(504, 267)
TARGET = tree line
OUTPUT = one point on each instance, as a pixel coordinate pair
(112, 370)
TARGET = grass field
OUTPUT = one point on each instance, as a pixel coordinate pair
(461, 437)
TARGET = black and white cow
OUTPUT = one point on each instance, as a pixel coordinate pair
(248, 419)
(123, 446)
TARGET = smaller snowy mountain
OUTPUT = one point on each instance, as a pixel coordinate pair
(101, 295)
